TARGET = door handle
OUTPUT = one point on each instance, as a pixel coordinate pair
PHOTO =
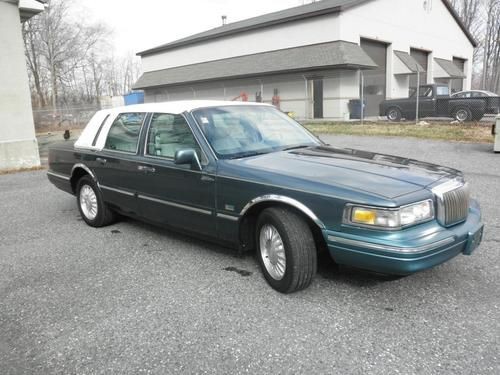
(207, 178)
(101, 160)
(145, 168)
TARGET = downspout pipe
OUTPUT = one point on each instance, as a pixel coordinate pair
(306, 98)
(261, 89)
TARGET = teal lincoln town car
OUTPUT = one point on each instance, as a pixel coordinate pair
(248, 176)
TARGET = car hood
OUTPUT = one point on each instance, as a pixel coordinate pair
(378, 174)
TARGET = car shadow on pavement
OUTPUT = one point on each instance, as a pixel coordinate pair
(174, 234)
(330, 270)
(327, 268)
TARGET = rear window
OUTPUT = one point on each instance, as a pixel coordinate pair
(124, 133)
(442, 91)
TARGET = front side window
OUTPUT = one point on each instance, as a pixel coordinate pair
(124, 132)
(240, 131)
(169, 133)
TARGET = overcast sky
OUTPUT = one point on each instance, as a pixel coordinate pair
(141, 24)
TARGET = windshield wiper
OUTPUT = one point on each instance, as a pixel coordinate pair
(295, 147)
(247, 155)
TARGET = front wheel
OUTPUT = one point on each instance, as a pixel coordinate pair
(91, 205)
(286, 249)
(394, 114)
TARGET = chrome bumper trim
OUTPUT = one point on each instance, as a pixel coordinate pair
(392, 249)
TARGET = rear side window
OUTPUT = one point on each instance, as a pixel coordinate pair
(124, 132)
(169, 133)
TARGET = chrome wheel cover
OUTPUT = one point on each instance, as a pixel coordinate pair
(393, 115)
(462, 115)
(88, 202)
(272, 251)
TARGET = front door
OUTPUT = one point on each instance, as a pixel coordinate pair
(175, 195)
(426, 102)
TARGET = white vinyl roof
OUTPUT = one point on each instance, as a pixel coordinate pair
(103, 119)
(178, 107)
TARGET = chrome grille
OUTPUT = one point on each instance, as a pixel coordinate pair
(452, 202)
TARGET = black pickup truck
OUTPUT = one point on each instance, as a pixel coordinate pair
(435, 101)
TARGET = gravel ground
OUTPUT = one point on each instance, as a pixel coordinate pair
(132, 299)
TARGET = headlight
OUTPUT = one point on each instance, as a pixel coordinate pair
(390, 218)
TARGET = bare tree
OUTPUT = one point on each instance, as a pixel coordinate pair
(31, 35)
(470, 11)
(491, 47)
(482, 19)
(57, 47)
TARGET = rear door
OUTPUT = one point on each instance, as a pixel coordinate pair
(116, 165)
(175, 195)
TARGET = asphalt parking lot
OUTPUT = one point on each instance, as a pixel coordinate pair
(132, 299)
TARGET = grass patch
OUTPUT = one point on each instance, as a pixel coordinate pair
(477, 133)
(17, 170)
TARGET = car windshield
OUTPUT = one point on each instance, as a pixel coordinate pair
(243, 131)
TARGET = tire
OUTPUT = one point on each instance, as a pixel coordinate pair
(91, 205)
(394, 114)
(294, 243)
(462, 114)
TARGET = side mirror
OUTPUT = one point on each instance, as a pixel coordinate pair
(188, 156)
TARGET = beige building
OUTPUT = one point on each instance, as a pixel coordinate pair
(313, 56)
(18, 145)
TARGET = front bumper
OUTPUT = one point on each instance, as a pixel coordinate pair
(407, 251)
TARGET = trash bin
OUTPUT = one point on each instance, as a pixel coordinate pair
(496, 134)
(355, 109)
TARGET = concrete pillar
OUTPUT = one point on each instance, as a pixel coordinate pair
(18, 145)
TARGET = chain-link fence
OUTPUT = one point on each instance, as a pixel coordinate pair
(340, 95)
(76, 117)
(346, 95)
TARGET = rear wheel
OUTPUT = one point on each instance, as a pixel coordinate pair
(394, 114)
(91, 204)
(462, 114)
(286, 249)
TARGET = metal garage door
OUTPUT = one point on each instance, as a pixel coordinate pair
(375, 80)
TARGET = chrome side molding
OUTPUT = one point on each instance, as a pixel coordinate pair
(286, 200)
(85, 168)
